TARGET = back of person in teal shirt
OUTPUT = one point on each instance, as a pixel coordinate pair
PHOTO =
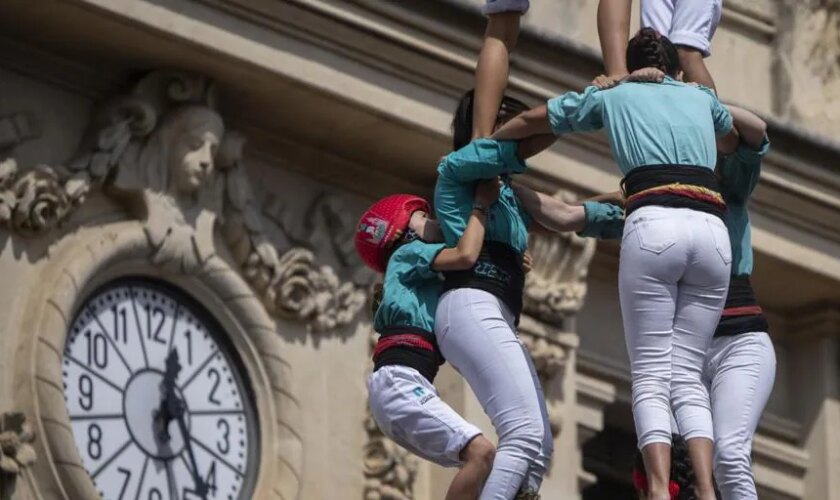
(739, 174)
(677, 254)
(648, 123)
(740, 364)
(499, 269)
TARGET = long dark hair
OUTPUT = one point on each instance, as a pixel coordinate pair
(462, 120)
(682, 472)
(650, 49)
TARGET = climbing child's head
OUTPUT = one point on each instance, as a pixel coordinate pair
(390, 222)
(462, 120)
(650, 49)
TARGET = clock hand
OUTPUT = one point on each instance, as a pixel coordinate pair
(200, 486)
(173, 408)
(168, 403)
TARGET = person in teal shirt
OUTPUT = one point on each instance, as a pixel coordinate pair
(475, 323)
(673, 278)
(396, 236)
(740, 364)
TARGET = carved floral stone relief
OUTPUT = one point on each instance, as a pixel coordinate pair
(16, 451)
(164, 151)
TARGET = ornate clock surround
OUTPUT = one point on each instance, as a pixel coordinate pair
(162, 152)
(122, 249)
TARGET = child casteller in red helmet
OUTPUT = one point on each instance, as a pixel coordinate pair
(396, 236)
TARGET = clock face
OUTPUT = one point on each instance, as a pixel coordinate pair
(158, 403)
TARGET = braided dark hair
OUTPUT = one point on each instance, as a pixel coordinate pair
(650, 49)
(462, 120)
(682, 472)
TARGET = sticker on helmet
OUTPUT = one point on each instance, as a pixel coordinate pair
(375, 228)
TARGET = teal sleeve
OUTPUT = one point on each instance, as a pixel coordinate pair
(577, 112)
(721, 117)
(604, 221)
(482, 159)
(426, 256)
(741, 170)
(418, 259)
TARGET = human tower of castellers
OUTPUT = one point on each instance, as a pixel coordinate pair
(702, 364)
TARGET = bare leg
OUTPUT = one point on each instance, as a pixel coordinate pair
(694, 68)
(491, 73)
(657, 458)
(700, 450)
(478, 460)
(613, 32)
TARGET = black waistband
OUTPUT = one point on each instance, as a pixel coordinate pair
(498, 271)
(741, 296)
(648, 177)
(426, 361)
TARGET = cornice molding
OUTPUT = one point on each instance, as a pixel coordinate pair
(61, 72)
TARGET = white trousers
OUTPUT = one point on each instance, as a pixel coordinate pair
(684, 22)
(407, 409)
(740, 371)
(673, 278)
(475, 333)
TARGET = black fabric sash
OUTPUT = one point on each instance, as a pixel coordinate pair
(408, 346)
(498, 271)
(741, 296)
(652, 176)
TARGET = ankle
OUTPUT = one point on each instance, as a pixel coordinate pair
(705, 493)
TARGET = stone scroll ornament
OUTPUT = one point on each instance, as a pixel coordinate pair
(163, 150)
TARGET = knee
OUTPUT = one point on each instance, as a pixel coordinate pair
(481, 452)
(527, 437)
(731, 455)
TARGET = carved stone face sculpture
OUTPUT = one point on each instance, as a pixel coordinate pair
(197, 132)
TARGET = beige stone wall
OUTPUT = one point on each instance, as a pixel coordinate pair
(344, 101)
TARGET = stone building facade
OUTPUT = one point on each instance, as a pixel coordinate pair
(218, 153)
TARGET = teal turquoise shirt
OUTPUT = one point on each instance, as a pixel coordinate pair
(458, 173)
(739, 172)
(668, 123)
(411, 288)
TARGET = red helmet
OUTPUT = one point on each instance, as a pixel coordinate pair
(383, 224)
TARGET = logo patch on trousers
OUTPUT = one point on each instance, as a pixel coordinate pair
(422, 394)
